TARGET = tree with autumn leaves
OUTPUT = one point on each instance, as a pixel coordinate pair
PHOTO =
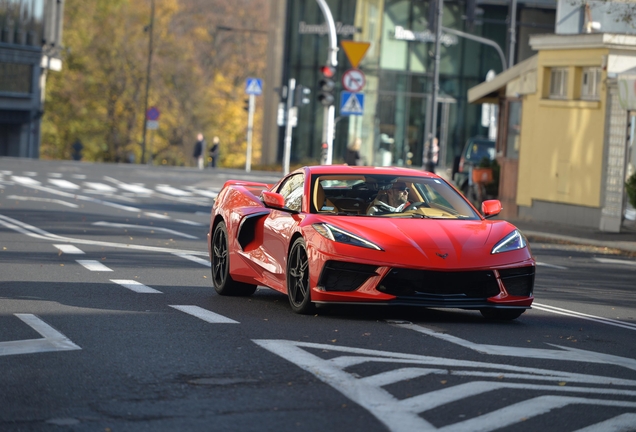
(197, 81)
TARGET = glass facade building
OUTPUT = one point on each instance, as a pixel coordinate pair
(30, 43)
(398, 68)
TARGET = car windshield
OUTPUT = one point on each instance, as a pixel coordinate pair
(478, 150)
(388, 196)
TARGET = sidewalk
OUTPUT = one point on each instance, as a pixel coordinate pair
(535, 231)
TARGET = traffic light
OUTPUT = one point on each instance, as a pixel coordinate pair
(326, 85)
(301, 97)
(246, 105)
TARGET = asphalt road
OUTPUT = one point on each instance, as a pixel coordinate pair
(108, 322)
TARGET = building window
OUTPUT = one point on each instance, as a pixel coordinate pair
(590, 82)
(558, 83)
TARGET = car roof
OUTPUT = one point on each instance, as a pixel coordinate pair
(365, 170)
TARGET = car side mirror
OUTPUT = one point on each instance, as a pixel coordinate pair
(273, 199)
(491, 208)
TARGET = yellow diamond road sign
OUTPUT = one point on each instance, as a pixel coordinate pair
(355, 51)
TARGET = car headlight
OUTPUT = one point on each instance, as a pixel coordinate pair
(513, 241)
(341, 236)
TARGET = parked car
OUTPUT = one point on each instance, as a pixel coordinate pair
(475, 150)
(321, 236)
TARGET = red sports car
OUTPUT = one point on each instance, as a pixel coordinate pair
(368, 235)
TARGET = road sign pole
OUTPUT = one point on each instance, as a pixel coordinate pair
(250, 124)
(288, 126)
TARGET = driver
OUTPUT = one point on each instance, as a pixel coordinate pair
(393, 200)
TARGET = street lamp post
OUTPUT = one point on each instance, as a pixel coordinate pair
(150, 27)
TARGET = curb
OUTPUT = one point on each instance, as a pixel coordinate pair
(628, 248)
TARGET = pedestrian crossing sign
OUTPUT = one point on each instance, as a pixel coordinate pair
(351, 103)
(254, 86)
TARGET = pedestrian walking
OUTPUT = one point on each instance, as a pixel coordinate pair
(352, 157)
(199, 150)
(214, 152)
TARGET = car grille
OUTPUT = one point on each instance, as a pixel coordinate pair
(518, 281)
(442, 287)
(344, 276)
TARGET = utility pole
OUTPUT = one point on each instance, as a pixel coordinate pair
(152, 21)
(290, 123)
(428, 159)
(250, 127)
(329, 111)
(513, 32)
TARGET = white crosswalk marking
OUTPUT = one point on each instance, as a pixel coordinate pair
(102, 187)
(373, 392)
(64, 184)
(167, 189)
(29, 173)
(69, 249)
(135, 286)
(204, 314)
(93, 265)
(25, 180)
(55, 175)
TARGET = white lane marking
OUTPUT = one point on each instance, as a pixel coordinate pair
(69, 249)
(562, 354)
(135, 188)
(52, 339)
(78, 176)
(29, 173)
(615, 261)
(409, 414)
(531, 408)
(187, 222)
(144, 228)
(195, 259)
(206, 193)
(25, 181)
(100, 187)
(5, 172)
(82, 197)
(55, 175)
(93, 265)
(204, 314)
(620, 423)
(167, 189)
(135, 286)
(560, 311)
(64, 184)
(156, 215)
(48, 200)
(35, 232)
(551, 266)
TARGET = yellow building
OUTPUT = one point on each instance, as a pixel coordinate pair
(565, 139)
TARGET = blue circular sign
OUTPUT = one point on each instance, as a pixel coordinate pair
(152, 114)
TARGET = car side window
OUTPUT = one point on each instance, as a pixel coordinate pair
(292, 190)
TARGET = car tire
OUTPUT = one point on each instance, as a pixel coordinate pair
(298, 290)
(501, 314)
(220, 266)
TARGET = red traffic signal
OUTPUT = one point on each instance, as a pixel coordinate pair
(328, 71)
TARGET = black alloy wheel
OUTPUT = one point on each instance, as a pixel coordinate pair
(221, 279)
(298, 289)
(501, 314)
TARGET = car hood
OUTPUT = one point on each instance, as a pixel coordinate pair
(449, 242)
